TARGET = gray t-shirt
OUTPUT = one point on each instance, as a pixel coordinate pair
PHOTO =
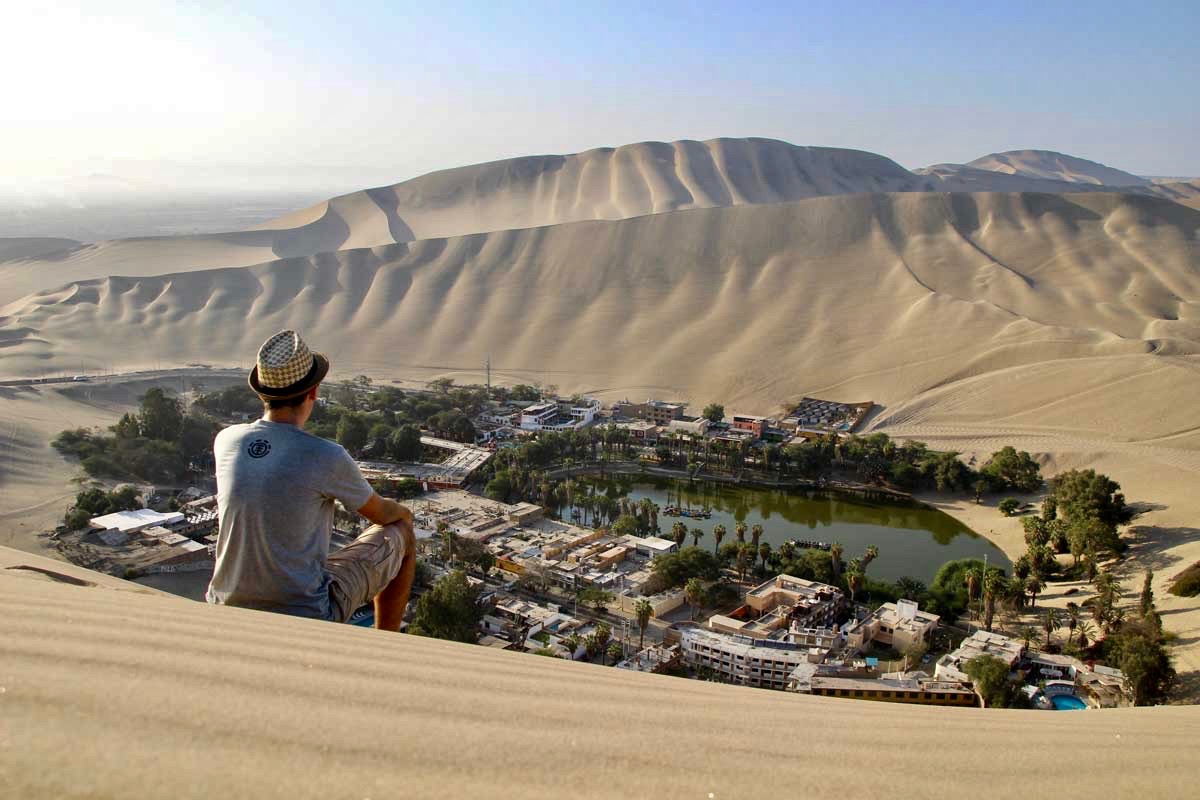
(276, 486)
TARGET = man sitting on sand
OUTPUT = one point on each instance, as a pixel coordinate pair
(276, 486)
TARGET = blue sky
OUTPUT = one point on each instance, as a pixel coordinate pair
(402, 89)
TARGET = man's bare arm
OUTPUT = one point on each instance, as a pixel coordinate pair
(382, 511)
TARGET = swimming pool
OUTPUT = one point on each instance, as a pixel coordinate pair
(1067, 702)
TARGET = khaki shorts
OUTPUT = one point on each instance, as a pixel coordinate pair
(363, 569)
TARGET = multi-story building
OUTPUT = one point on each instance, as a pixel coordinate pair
(655, 411)
(743, 660)
(809, 603)
(900, 625)
(751, 423)
(560, 415)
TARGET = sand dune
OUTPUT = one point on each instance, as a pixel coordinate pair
(21, 247)
(210, 701)
(1056, 166)
(609, 183)
(771, 300)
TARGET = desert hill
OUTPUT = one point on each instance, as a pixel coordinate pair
(607, 184)
(1056, 166)
(883, 295)
(21, 247)
(211, 701)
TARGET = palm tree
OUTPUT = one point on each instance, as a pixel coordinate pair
(870, 555)
(992, 584)
(443, 529)
(644, 611)
(854, 579)
(764, 552)
(740, 530)
(743, 560)
(1073, 617)
(971, 579)
(910, 588)
(694, 590)
(786, 551)
(1086, 632)
(1027, 634)
(835, 560)
(755, 535)
(615, 651)
(697, 535)
(1051, 621)
(572, 641)
(718, 535)
(1033, 585)
(679, 532)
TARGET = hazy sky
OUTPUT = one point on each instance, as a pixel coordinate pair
(403, 90)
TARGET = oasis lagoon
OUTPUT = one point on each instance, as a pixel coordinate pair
(913, 539)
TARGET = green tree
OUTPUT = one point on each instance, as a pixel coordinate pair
(1080, 494)
(626, 525)
(1034, 586)
(743, 560)
(993, 583)
(615, 652)
(161, 416)
(450, 610)
(644, 611)
(718, 535)
(1145, 662)
(695, 592)
(697, 535)
(1146, 600)
(499, 487)
(871, 553)
(674, 569)
(1051, 621)
(405, 443)
(1009, 506)
(679, 533)
(714, 412)
(595, 596)
(127, 427)
(1008, 469)
(352, 433)
(990, 677)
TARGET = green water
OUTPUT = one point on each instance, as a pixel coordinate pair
(913, 540)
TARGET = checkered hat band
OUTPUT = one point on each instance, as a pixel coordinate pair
(283, 360)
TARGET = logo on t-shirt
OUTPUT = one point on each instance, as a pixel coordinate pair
(259, 448)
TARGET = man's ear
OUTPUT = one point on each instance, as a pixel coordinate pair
(312, 393)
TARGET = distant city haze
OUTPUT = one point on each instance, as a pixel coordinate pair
(108, 103)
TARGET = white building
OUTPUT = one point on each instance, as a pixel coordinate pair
(560, 415)
(900, 625)
(746, 661)
(118, 525)
(950, 667)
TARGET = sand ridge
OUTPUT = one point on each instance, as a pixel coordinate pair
(606, 183)
(293, 707)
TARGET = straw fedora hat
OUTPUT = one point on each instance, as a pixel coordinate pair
(286, 367)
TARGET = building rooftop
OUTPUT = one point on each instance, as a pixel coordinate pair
(135, 520)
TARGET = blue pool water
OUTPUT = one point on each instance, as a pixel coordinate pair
(1067, 702)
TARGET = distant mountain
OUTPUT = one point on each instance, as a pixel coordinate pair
(1049, 165)
(610, 183)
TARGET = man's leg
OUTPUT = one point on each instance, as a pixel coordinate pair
(391, 603)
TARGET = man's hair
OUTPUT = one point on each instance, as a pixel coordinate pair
(287, 402)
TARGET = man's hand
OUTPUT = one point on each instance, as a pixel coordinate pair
(382, 511)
